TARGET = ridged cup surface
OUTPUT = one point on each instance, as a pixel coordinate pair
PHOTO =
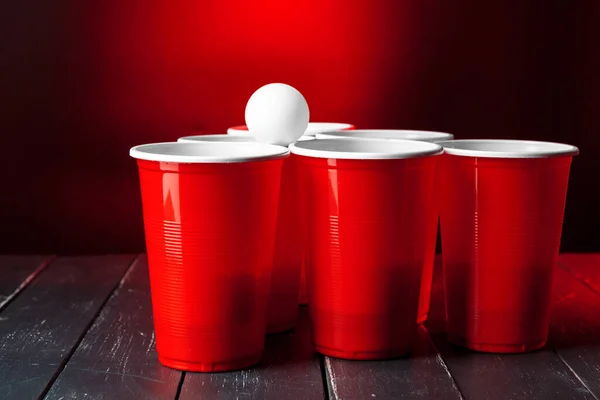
(210, 231)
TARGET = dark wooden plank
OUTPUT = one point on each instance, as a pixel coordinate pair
(117, 358)
(575, 329)
(41, 327)
(585, 267)
(290, 370)
(538, 375)
(16, 272)
(422, 375)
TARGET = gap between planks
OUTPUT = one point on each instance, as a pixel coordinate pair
(328, 389)
(26, 282)
(180, 385)
(65, 361)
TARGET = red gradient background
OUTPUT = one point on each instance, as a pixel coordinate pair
(83, 81)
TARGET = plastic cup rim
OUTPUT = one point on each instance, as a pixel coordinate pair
(217, 138)
(374, 149)
(387, 134)
(208, 152)
(507, 148)
(242, 130)
(238, 130)
(315, 128)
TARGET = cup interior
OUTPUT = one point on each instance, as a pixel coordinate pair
(217, 138)
(507, 148)
(207, 152)
(365, 149)
(393, 134)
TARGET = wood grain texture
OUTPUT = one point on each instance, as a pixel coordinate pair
(575, 329)
(16, 272)
(422, 375)
(41, 327)
(538, 375)
(290, 369)
(584, 266)
(117, 358)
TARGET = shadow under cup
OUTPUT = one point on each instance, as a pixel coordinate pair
(209, 215)
(501, 222)
(367, 237)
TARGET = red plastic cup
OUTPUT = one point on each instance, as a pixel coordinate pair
(501, 221)
(368, 235)
(396, 134)
(282, 310)
(209, 214)
(313, 129)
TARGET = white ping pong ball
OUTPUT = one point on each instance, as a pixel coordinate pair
(277, 114)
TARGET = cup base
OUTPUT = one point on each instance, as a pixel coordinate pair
(210, 367)
(498, 348)
(422, 318)
(361, 355)
(281, 327)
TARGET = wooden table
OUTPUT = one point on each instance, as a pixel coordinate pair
(81, 328)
